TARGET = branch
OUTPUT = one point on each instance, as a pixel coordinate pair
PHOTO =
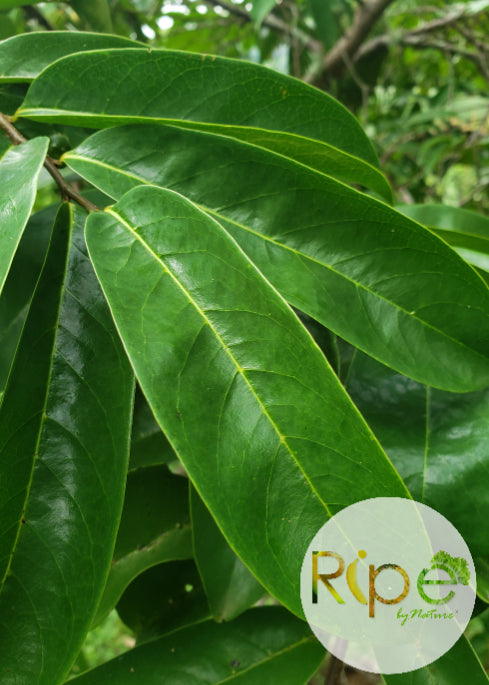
(67, 191)
(421, 43)
(272, 22)
(33, 13)
(406, 38)
(335, 670)
(366, 16)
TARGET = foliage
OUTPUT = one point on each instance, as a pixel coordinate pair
(197, 376)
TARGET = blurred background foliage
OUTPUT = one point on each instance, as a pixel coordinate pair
(415, 72)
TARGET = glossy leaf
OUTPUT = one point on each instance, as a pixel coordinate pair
(23, 57)
(62, 470)
(103, 88)
(11, 97)
(154, 528)
(149, 445)
(437, 440)
(263, 646)
(162, 599)
(466, 231)
(229, 586)
(223, 361)
(373, 276)
(20, 167)
(448, 218)
(20, 284)
(459, 665)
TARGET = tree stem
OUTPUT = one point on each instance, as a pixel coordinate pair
(67, 191)
(335, 670)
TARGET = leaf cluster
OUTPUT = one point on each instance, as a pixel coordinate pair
(227, 333)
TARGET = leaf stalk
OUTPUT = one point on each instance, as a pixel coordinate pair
(67, 191)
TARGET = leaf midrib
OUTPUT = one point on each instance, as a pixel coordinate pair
(266, 660)
(43, 416)
(239, 369)
(194, 124)
(298, 254)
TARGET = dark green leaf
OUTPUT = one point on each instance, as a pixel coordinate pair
(459, 665)
(103, 88)
(365, 271)
(163, 598)
(149, 445)
(11, 97)
(263, 646)
(23, 57)
(229, 586)
(20, 167)
(223, 361)
(20, 284)
(325, 338)
(154, 527)
(437, 441)
(156, 502)
(62, 470)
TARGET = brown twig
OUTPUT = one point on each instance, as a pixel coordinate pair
(335, 670)
(272, 22)
(409, 37)
(366, 16)
(66, 190)
(33, 13)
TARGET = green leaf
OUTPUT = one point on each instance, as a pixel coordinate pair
(94, 13)
(229, 586)
(263, 646)
(20, 284)
(437, 441)
(466, 231)
(222, 360)
(365, 271)
(482, 572)
(23, 57)
(154, 527)
(260, 10)
(11, 97)
(103, 88)
(149, 445)
(448, 218)
(322, 157)
(459, 665)
(326, 340)
(325, 21)
(8, 4)
(20, 167)
(62, 470)
(163, 598)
